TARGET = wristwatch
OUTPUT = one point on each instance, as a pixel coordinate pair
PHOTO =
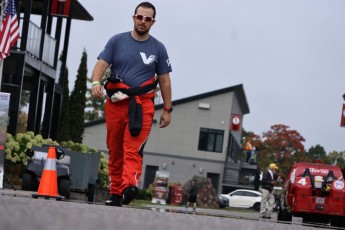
(169, 110)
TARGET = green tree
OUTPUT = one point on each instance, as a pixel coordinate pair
(23, 116)
(335, 158)
(64, 118)
(78, 102)
(95, 106)
(158, 96)
(316, 152)
(24, 99)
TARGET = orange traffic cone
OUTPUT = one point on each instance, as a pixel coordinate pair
(48, 187)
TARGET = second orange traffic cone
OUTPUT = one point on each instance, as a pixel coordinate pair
(48, 187)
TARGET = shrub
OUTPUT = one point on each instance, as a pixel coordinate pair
(16, 159)
(144, 194)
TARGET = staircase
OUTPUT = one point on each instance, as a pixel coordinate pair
(231, 173)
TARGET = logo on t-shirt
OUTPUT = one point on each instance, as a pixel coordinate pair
(147, 60)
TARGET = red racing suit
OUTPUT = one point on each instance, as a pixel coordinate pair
(126, 150)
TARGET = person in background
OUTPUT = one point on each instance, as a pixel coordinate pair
(257, 179)
(267, 198)
(250, 152)
(138, 63)
(193, 193)
(249, 149)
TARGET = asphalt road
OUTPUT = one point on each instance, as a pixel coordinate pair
(19, 211)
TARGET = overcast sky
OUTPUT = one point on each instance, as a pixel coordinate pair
(289, 56)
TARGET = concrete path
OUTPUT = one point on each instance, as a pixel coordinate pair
(18, 210)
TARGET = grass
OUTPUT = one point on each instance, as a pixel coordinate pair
(145, 203)
(142, 203)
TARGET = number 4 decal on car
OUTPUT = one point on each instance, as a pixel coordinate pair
(302, 181)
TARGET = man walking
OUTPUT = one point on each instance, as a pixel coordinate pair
(192, 198)
(138, 62)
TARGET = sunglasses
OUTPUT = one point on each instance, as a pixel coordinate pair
(145, 18)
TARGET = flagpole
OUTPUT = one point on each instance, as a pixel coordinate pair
(1, 64)
(3, 5)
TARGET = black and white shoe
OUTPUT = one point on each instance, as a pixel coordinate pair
(114, 200)
(129, 194)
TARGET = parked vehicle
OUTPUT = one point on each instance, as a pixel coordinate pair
(76, 172)
(223, 201)
(244, 198)
(315, 192)
(34, 169)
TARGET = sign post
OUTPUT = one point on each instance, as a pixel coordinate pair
(4, 108)
(161, 187)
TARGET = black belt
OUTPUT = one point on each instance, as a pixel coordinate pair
(135, 111)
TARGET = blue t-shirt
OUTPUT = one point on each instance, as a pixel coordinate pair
(135, 62)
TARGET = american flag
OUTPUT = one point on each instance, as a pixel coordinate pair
(9, 31)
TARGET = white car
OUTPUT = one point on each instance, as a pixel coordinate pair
(244, 198)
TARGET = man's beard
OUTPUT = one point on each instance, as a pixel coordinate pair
(140, 32)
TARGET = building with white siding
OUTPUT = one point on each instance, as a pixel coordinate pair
(203, 139)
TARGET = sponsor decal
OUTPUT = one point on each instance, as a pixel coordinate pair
(338, 184)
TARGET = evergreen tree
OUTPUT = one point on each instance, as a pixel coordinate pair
(23, 115)
(336, 158)
(316, 152)
(78, 102)
(64, 118)
(95, 105)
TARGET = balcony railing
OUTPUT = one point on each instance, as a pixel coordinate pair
(33, 44)
(49, 49)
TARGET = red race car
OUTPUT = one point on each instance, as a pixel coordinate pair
(315, 192)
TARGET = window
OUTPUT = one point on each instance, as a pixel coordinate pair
(251, 194)
(238, 193)
(211, 140)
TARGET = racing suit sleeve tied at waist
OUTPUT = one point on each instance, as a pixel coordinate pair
(120, 91)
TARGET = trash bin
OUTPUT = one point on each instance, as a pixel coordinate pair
(176, 198)
(84, 172)
(178, 194)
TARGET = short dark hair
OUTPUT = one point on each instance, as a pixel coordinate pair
(146, 5)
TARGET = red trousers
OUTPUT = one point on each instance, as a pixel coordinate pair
(125, 151)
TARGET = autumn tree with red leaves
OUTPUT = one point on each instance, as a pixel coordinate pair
(281, 146)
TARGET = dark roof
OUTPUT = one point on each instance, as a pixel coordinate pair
(77, 11)
(238, 89)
